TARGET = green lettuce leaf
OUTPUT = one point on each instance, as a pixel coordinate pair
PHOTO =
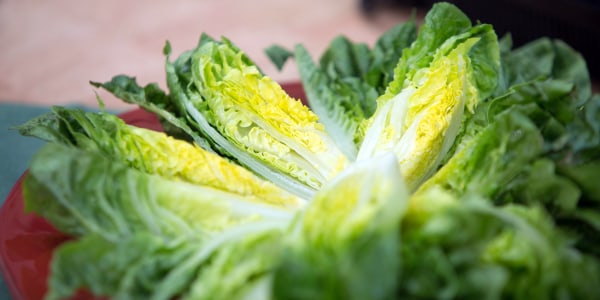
(255, 115)
(153, 99)
(154, 153)
(129, 268)
(233, 265)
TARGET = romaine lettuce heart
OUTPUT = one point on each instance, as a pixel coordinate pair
(420, 123)
(256, 115)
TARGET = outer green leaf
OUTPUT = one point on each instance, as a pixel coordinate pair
(82, 192)
(234, 265)
(129, 268)
(154, 100)
(470, 249)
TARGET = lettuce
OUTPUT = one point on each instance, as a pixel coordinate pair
(345, 244)
(445, 73)
(84, 192)
(223, 102)
(249, 117)
(443, 165)
(154, 153)
(256, 115)
(535, 144)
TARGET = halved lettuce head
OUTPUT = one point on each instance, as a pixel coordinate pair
(154, 153)
(254, 113)
(249, 117)
(446, 72)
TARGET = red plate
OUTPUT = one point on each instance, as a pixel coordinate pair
(27, 241)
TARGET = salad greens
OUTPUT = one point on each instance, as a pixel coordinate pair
(441, 163)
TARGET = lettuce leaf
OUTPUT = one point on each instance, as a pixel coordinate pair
(129, 268)
(153, 99)
(83, 192)
(233, 265)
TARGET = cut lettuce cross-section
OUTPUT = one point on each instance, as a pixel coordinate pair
(249, 117)
(422, 110)
(83, 192)
(154, 153)
(234, 265)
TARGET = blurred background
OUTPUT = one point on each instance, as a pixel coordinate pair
(49, 50)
